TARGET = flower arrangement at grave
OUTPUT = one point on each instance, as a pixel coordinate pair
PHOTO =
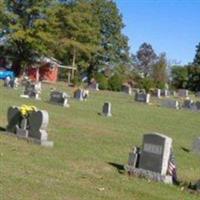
(26, 110)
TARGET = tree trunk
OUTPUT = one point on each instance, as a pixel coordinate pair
(73, 62)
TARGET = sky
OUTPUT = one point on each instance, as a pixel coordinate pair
(170, 26)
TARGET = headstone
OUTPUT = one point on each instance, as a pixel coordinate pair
(196, 145)
(198, 94)
(172, 93)
(158, 93)
(188, 104)
(38, 122)
(142, 97)
(153, 160)
(127, 89)
(10, 82)
(94, 86)
(133, 158)
(14, 118)
(107, 109)
(183, 93)
(60, 98)
(170, 103)
(164, 93)
(33, 126)
(81, 94)
(16, 83)
(155, 153)
(32, 90)
(197, 105)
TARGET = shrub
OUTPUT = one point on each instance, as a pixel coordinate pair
(115, 83)
(147, 84)
(77, 80)
(102, 81)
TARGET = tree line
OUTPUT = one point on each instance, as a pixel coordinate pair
(86, 34)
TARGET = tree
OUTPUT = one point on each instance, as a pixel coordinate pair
(179, 76)
(29, 34)
(146, 59)
(159, 73)
(197, 56)
(78, 34)
(193, 78)
(114, 44)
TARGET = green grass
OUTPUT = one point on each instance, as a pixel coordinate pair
(85, 142)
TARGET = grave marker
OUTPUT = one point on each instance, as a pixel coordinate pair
(107, 109)
(60, 98)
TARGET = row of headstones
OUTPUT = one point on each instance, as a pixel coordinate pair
(155, 159)
(158, 92)
(142, 96)
(187, 104)
(33, 90)
(170, 103)
(33, 126)
(11, 82)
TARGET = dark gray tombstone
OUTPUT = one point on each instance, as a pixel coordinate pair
(183, 93)
(33, 126)
(142, 97)
(164, 93)
(14, 118)
(188, 104)
(197, 105)
(170, 103)
(127, 89)
(153, 159)
(155, 153)
(59, 98)
(107, 109)
(32, 90)
(38, 122)
(198, 94)
(196, 145)
(94, 86)
(78, 94)
(81, 94)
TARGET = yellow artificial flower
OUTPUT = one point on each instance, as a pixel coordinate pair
(25, 110)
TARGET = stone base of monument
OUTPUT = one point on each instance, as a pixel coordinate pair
(22, 132)
(28, 97)
(148, 174)
(24, 96)
(45, 143)
(106, 115)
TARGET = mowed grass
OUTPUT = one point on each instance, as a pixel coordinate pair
(77, 167)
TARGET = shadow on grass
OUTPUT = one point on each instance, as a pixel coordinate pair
(2, 129)
(119, 167)
(185, 149)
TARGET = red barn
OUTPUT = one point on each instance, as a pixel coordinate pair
(46, 70)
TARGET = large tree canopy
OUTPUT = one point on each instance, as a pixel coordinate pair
(28, 31)
(83, 33)
(77, 31)
(114, 44)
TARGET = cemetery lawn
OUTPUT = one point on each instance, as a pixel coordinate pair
(89, 150)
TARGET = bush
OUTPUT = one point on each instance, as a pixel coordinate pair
(77, 80)
(147, 84)
(102, 81)
(115, 83)
(160, 85)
